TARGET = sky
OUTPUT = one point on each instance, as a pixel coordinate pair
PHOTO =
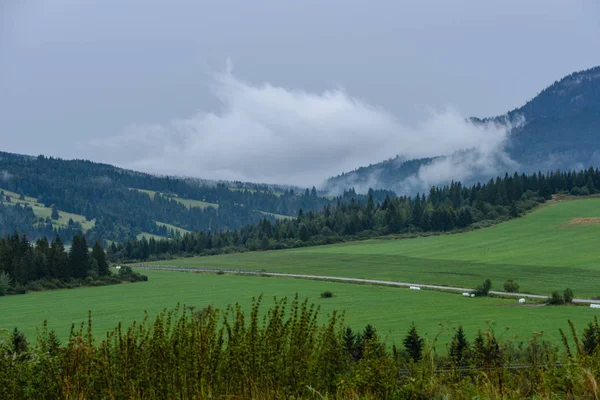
(276, 91)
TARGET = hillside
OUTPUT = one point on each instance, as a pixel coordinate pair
(109, 203)
(557, 129)
(551, 248)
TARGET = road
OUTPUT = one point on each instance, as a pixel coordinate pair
(353, 280)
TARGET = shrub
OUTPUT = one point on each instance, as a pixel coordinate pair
(568, 295)
(576, 191)
(220, 272)
(34, 286)
(511, 286)
(556, 299)
(127, 274)
(326, 295)
(483, 289)
(19, 289)
(48, 284)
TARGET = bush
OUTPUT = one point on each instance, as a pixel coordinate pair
(568, 295)
(19, 289)
(326, 295)
(556, 299)
(48, 284)
(483, 289)
(34, 286)
(127, 274)
(220, 272)
(576, 191)
(511, 286)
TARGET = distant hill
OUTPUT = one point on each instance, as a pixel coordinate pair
(111, 203)
(557, 129)
(44, 196)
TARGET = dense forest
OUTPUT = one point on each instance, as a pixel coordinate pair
(444, 209)
(103, 194)
(287, 353)
(48, 265)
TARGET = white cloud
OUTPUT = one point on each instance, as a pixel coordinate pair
(5, 175)
(266, 133)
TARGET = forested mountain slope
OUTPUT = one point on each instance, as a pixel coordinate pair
(43, 196)
(557, 129)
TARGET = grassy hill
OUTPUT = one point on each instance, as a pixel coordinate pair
(41, 211)
(553, 247)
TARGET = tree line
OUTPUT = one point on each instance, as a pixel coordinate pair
(22, 263)
(443, 209)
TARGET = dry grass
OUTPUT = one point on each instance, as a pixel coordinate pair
(583, 221)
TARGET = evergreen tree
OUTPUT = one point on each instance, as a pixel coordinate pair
(54, 215)
(459, 347)
(100, 258)
(59, 262)
(413, 344)
(79, 257)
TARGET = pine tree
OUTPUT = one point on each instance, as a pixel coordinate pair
(459, 347)
(100, 257)
(59, 265)
(413, 344)
(55, 215)
(79, 257)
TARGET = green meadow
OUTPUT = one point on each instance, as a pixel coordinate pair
(390, 310)
(554, 247)
(41, 211)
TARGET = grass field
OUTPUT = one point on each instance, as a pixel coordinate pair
(277, 216)
(173, 227)
(42, 211)
(553, 247)
(186, 202)
(390, 310)
(149, 236)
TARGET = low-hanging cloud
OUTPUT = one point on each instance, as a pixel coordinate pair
(266, 133)
(5, 175)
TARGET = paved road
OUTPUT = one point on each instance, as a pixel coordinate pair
(352, 280)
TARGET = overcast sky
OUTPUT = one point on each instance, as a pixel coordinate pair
(312, 88)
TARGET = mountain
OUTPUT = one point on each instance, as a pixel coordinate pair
(557, 129)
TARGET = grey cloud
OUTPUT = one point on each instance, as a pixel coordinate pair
(5, 175)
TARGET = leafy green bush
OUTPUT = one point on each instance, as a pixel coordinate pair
(34, 286)
(511, 286)
(326, 295)
(483, 289)
(128, 274)
(568, 296)
(556, 299)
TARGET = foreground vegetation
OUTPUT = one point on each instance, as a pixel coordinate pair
(549, 249)
(206, 353)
